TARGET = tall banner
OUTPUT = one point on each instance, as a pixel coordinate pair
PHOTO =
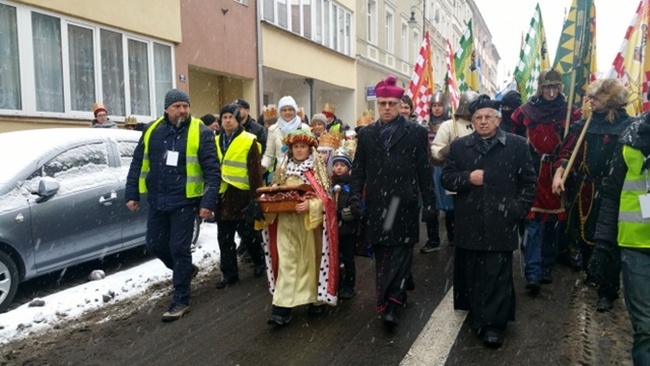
(453, 95)
(632, 64)
(421, 86)
(465, 61)
(533, 57)
(576, 53)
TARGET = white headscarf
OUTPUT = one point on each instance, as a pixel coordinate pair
(286, 127)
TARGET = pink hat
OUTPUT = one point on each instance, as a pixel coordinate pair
(387, 88)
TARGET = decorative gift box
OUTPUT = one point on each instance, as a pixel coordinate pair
(283, 198)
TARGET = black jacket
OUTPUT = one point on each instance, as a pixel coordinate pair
(256, 129)
(345, 227)
(166, 184)
(487, 216)
(394, 179)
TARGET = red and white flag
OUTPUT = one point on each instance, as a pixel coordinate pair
(632, 62)
(452, 87)
(421, 87)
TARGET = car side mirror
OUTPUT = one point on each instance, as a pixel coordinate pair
(47, 188)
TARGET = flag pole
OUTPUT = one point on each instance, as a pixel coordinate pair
(574, 153)
(569, 105)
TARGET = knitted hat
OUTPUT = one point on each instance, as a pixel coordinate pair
(287, 101)
(176, 95)
(242, 103)
(512, 99)
(342, 156)
(319, 118)
(483, 101)
(97, 108)
(388, 88)
(301, 135)
(208, 119)
(232, 109)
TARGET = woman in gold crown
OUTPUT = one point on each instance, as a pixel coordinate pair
(295, 243)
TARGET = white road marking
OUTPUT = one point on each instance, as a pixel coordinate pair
(436, 339)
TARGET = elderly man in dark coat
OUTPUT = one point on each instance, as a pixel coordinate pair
(492, 173)
(392, 163)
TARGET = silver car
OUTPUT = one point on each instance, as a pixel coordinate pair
(62, 201)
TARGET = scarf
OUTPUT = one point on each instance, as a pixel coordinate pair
(299, 168)
(386, 130)
(286, 127)
(542, 111)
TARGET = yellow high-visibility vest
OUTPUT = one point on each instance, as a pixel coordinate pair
(194, 183)
(633, 229)
(234, 168)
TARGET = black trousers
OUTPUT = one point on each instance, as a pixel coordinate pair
(227, 246)
(347, 246)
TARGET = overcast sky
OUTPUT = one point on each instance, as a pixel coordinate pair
(510, 18)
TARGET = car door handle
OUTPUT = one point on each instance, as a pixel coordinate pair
(108, 201)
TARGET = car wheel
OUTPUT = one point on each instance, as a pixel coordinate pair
(197, 229)
(8, 281)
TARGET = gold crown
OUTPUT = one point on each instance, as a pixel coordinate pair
(130, 121)
(351, 145)
(330, 139)
(328, 107)
(301, 113)
(97, 106)
(366, 118)
(270, 111)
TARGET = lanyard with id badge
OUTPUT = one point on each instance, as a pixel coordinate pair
(644, 199)
(172, 155)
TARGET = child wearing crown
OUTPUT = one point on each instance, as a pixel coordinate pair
(301, 246)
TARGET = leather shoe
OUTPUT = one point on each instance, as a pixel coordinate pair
(315, 309)
(492, 338)
(278, 320)
(390, 320)
(533, 287)
(225, 283)
(604, 304)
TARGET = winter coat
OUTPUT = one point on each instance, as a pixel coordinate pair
(488, 216)
(394, 179)
(273, 153)
(166, 184)
(345, 227)
(250, 125)
(234, 200)
(447, 133)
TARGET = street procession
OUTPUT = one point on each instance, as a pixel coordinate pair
(325, 182)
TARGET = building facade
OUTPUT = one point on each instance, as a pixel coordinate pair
(488, 57)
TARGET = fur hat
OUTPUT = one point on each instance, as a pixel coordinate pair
(97, 108)
(611, 92)
(342, 156)
(287, 101)
(301, 135)
(176, 95)
(388, 88)
(232, 109)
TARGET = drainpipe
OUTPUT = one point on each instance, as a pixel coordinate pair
(310, 82)
(260, 66)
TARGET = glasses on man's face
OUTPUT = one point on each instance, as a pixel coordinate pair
(102, 115)
(387, 103)
(486, 117)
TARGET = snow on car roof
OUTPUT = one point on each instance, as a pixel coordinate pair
(20, 149)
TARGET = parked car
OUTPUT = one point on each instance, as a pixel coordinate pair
(62, 201)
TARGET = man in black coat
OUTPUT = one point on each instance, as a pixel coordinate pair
(176, 165)
(250, 125)
(492, 173)
(392, 163)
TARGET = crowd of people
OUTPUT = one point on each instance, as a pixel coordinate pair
(542, 176)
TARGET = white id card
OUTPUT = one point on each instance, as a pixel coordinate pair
(644, 200)
(172, 158)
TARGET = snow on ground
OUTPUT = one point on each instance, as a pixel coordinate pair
(74, 302)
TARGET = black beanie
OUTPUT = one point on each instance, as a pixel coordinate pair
(483, 101)
(232, 109)
(512, 99)
(208, 119)
(242, 103)
(176, 95)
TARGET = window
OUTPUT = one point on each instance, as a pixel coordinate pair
(9, 60)
(78, 160)
(371, 21)
(126, 149)
(322, 21)
(404, 54)
(62, 66)
(390, 31)
(415, 44)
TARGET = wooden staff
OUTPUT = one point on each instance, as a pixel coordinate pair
(574, 153)
(569, 104)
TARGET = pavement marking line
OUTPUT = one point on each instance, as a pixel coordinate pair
(434, 342)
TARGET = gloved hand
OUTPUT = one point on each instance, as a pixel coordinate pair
(253, 212)
(356, 208)
(429, 213)
(346, 214)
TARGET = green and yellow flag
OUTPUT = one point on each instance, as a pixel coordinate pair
(465, 60)
(576, 52)
(533, 57)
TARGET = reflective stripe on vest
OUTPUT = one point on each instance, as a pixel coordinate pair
(234, 166)
(194, 180)
(633, 229)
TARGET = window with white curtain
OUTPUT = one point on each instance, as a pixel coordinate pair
(10, 97)
(162, 62)
(371, 20)
(81, 56)
(404, 41)
(139, 78)
(390, 31)
(415, 45)
(114, 97)
(306, 18)
(318, 21)
(269, 12)
(282, 13)
(48, 63)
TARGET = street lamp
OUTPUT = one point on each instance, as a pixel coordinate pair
(412, 22)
